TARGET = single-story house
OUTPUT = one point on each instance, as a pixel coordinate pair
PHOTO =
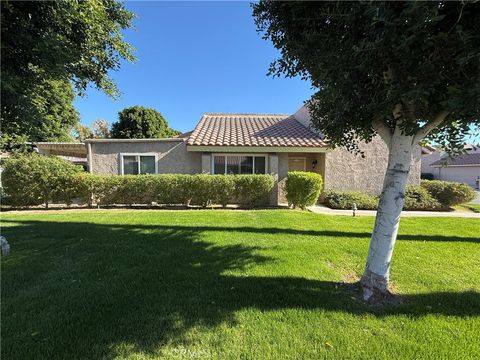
(461, 168)
(241, 144)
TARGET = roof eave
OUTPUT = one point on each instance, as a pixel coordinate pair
(257, 149)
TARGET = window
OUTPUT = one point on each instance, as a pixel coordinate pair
(239, 164)
(134, 164)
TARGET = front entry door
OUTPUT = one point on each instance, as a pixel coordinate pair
(296, 164)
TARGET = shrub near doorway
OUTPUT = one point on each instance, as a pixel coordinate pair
(302, 189)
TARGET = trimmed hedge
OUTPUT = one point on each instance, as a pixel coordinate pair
(345, 200)
(35, 179)
(431, 195)
(449, 193)
(417, 198)
(302, 188)
(39, 180)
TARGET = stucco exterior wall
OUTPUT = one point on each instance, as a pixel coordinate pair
(349, 172)
(172, 156)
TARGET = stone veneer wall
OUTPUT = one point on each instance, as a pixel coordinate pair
(346, 171)
(173, 157)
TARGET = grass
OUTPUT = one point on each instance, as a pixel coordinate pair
(470, 207)
(233, 285)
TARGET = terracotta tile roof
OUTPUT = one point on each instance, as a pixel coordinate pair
(253, 130)
(460, 160)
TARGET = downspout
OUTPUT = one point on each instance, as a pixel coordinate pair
(89, 157)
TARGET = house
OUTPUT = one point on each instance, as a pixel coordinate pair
(242, 144)
(461, 168)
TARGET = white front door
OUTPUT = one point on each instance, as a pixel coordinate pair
(296, 164)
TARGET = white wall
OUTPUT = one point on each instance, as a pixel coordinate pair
(466, 174)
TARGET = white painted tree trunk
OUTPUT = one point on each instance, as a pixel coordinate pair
(376, 276)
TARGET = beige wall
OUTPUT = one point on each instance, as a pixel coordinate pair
(346, 171)
(340, 169)
(172, 156)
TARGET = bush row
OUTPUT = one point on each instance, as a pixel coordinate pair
(431, 195)
(345, 200)
(176, 189)
(34, 180)
(449, 193)
(302, 189)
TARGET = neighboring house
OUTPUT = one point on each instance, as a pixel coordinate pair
(243, 144)
(462, 168)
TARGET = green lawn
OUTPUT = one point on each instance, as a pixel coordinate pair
(233, 285)
(470, 207)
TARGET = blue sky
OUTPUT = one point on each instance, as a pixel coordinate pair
(196, 57)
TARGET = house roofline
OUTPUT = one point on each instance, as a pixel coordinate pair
(134, 140)
(448, 166)
(256, 149)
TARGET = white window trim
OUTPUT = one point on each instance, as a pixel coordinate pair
(298, 158)
(212, 161)
(121, 155)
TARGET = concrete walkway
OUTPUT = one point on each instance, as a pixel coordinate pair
(320, 209)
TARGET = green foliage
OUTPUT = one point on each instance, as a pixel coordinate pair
(449, 193)
(48, 116)
(253, 190)
(422, 56)
(345, 200)
(431, 195)
(302, 189)
(35, 179)
(213, 189)
(46, 47)
(138, 122)
(418, 198)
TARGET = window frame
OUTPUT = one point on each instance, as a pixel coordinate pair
(253, 155)
(137, 155)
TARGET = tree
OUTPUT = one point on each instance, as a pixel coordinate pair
(47, 114)
(101, 129)
(402, 70)
(83, 132)
(46, 47)
(138, 122)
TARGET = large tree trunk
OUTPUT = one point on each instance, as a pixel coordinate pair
(376, 276)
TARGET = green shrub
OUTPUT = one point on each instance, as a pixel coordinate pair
(345, 200)
(168, 189)
(302, 189)
(449, 193)
(417, 198)
(223, 187)
(253, 190)
(35, 179)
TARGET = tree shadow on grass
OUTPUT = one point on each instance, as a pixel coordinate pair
(75, 290)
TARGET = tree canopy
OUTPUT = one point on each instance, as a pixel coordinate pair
(400, 70)
(46, 47)
(50, 116)
(378, 65)
(138, 122)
